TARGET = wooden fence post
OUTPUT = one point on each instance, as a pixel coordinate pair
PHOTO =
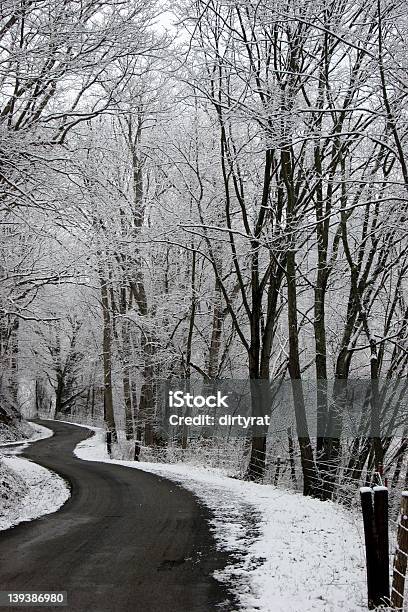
(109, 442)
(401, 554)
(277, 470)
(366, 496)
(292, 457)
(382, 542)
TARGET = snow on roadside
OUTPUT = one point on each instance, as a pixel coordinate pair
(43, 492)
(27, 490)
(12, 489)
(15, 430)
(291, 553)
(39, 433)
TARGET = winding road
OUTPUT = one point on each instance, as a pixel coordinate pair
(125, 541)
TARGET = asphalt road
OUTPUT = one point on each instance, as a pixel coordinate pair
(125, 541)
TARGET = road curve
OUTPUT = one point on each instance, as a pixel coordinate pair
(125, 541)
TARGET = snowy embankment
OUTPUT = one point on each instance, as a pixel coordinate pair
(27, 490)
(291, 553)
(36, 432)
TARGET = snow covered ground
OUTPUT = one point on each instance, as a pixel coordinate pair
(291, 553)
(43, 492)
(15, 430)
(27, 490)
(38, 433)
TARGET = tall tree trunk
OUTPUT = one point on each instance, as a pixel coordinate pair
(14, 350)
(260, 392)
(216, 332)
(147, 403)
(306, 450)
(126, 380)
(109, 415)
(189, 347)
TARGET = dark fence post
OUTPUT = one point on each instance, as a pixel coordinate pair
(292, 457)
(375, 519)
(109, 442)
(401, 554)
(366, 496)
(381, 533)
(277, 470)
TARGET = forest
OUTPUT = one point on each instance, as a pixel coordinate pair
(200, 192)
